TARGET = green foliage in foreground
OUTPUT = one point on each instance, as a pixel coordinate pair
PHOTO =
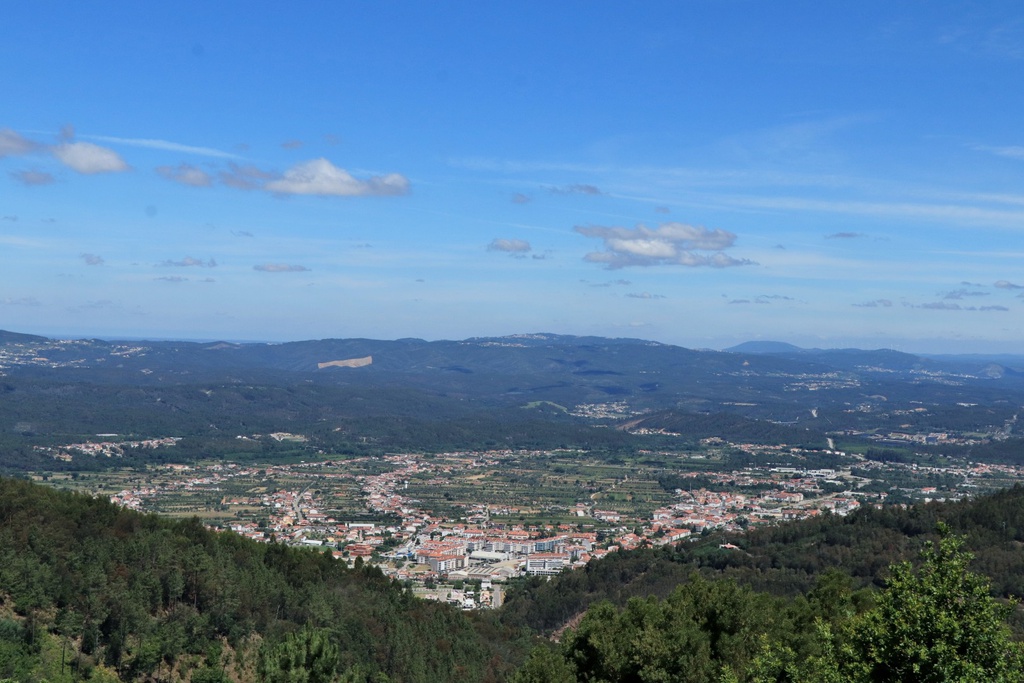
(937, 624)
(91, 592)
(95, 592)
(787, 560)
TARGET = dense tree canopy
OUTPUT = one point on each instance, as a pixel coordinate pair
(136, 596)
(89, 591)
(934, 624)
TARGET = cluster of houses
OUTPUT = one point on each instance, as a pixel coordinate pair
(482, 547)
(109, 449)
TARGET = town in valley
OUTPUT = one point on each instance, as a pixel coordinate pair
(456, 526)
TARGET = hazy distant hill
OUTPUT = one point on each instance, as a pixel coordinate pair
(18, 338)
(194, 388)
(971, 364)
(764, 347)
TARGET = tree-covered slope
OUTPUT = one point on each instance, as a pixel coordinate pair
(788, 559)
(936, 623)
(112, 593)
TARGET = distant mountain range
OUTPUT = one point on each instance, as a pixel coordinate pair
(965, 360)
(766, 380)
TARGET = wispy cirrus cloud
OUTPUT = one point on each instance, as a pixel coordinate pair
(108, 305)
(279, 268)
(776, 297)
(963, 294)
(165, 145)
(23, 301)
(844, 235)
(964, 214)
(190, 262)
(1006, 284)
(609, 283)
(669, 244)
(763, 299)
(513, 166)
(92, 259)
(946, 306)
(577, 189)
(186, 174)
(875, 303)
(644, 295)
(321, 177)
(1009, 151)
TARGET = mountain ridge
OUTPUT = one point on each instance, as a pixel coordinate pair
(809, 389)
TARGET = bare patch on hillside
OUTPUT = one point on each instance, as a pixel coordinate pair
(350, 363)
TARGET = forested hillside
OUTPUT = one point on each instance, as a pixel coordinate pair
(89, 591)
(788, 560)
(933, 624)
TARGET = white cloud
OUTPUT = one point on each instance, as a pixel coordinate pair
(13, 144)
(1006, 284)
(186, 174)
(321, 177)
(509, 246)
(245, 177)
(85, 157)
(92, 259)
(279, 268)
(32, 177)
(669, 244)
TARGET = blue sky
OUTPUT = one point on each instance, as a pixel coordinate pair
(699, 173)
